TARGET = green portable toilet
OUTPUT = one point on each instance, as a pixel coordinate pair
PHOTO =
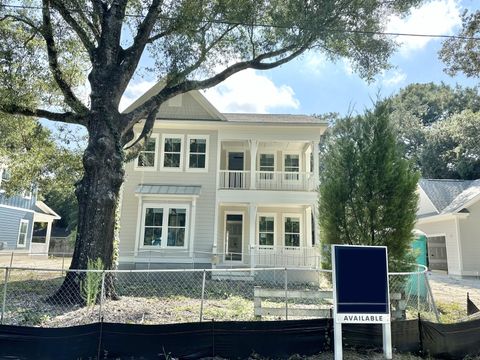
(419, 245)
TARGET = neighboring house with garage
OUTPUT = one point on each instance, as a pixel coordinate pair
(221, 190)
(18, 216)
(449, 215)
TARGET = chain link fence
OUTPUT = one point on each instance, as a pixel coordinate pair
(58, 298)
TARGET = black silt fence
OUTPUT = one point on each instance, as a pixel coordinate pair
(232, 340)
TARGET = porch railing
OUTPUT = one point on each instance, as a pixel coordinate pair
(285, 256)
(267, 180)
(284, 180)
(234, 179)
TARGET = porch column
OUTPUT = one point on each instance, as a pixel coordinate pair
(316, 229)
(215, 234)
(308, 226)
(316, 163)
(47, 236)
(253, 162)
(252, 231)
(193, 213)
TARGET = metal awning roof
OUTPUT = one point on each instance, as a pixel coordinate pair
(155, 189)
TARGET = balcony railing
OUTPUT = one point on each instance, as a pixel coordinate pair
(234, 179)
(267, 180)
(284, 180)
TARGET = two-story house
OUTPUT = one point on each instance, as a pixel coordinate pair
(18, 214)
(221, 190)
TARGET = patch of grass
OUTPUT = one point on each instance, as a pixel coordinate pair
(451, 312)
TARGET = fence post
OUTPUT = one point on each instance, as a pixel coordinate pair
(430, 294)
(286, 294)
(203, 294)
(102, 295)
(418, 292)
(11, 259)
(4, 301)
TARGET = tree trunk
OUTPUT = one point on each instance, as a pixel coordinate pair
(97, 195)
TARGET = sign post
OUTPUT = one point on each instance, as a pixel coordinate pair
(360, 291)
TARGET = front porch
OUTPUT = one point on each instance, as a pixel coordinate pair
(266, 236)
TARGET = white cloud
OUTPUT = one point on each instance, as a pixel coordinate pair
(395, 78)
(435, 17)
(134, 91)
(248, 91)
(314, 62)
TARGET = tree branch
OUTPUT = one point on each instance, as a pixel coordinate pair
(67, 117)
(47, 33)
(131, 56)
(82, 35)
(168, 92)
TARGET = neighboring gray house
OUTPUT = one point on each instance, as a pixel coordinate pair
(18, 214)
(449, 215)
(222, 190)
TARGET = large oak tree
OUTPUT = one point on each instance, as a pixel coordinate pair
(50, 48)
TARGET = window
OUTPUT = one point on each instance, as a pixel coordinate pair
(22, 233)
(153, 227)
(267, 166)
(292, 166)
(165, 227)
(266, 230)
(292, 231)
(197, 152)
(147, 158)
(172, 152)
(176, 227)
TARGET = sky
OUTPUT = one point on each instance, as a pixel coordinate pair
(313, 85)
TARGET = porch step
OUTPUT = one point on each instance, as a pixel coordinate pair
(233, 275)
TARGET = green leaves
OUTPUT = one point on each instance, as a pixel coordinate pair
(367, 190)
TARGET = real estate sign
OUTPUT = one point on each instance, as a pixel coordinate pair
(360, 290)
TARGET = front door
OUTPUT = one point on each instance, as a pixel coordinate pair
(233, 237)
(235, 168)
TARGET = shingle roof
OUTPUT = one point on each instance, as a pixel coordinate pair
(155, 189)
(272, 118)
(450, 195)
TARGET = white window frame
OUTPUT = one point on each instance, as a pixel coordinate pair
(22, 221)
(300, 219)
(155, 160)
(166, 208)
(182, 151)
(187, 145)
(259, 155)
(275, 224)
(300, 168)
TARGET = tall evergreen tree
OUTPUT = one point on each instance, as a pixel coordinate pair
(367, 189)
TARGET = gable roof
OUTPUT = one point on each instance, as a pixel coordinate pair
(195, 106)
(208, 111)
(450, 196)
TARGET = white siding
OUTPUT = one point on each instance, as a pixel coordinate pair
(447, 228)
(205, 205)
(470, 241)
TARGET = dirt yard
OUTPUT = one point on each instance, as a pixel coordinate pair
(34, 261)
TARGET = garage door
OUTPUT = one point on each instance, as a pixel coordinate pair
(437, 253)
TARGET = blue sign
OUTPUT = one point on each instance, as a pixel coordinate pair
(361, 284)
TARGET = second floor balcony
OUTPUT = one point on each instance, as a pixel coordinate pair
(268, 165)
(267, 180)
